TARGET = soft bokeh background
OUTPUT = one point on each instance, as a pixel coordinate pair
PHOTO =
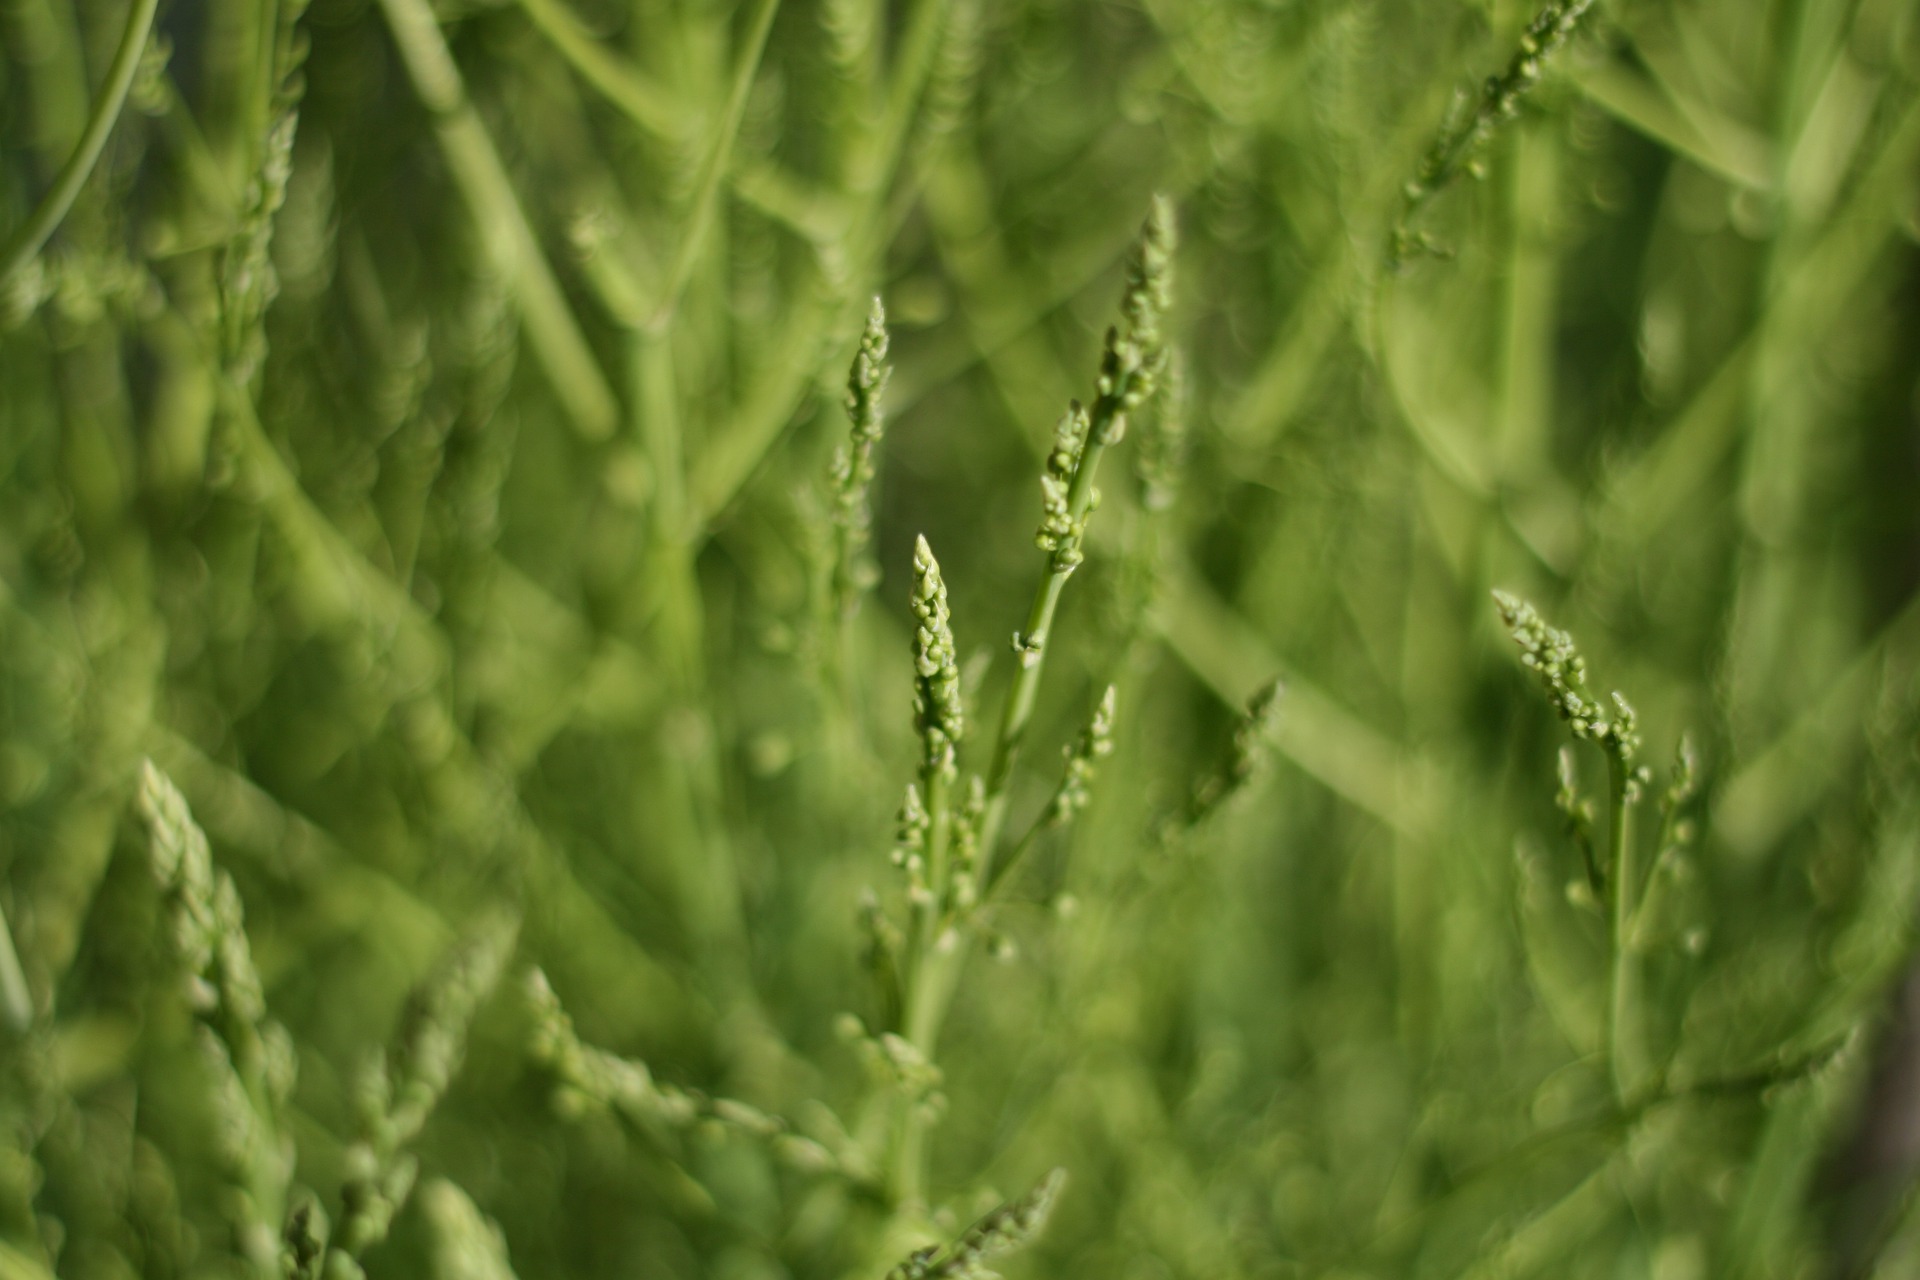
(484, 572)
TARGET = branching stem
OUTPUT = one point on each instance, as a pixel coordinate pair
(1108, 424)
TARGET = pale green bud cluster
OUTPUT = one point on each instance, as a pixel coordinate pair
(208, 929)
(1083, 761)
(590, 1079)
(250, 1057)
(303, 1251)
(1253, 736)
(853, 469)
(1678, 830)
(1012, 1226)
(1457, 148)
(248, 284)
(290, 50)
(966, 843)
(1159, 456)
(256, 1156)
(247, 281)
(1060, 532)
(1550, 654)
(1662, 916)
(913, 827)
(867, 380)
(1552, 27)
(938, 715)
(1135, 357)
(374, 1191)
(1247, 753)
(396, 1093)
(1683, 782)
(893, 1060)
(433, 1035)
(1132, 367)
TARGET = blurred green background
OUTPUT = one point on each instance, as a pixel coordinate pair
(414, 439)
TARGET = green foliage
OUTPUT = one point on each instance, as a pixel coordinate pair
(469, 619)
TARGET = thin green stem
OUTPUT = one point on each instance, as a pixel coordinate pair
(709, 877)
(557, 341)
(713, 167)
(939, 839)
(622, 84)
(1018, 713)
(726, 463)
(929, 975)
(32, 234)
(918, 46)
(661, 430)
(997, 874)
(1625, 1049)
(927, 905)
(258, 106)
(857, 68)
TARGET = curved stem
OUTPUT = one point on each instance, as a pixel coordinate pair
(32, 234)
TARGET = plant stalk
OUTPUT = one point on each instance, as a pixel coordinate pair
(32, 234)
(936, 957)
(645, 103)
(1626, 1051)
(477, 171)
(713, 169)
(1107, 424)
